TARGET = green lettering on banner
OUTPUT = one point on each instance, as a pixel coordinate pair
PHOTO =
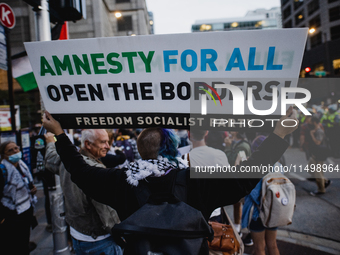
(147, 60)
(114, 63)
(85, 65)
(129, 56)
(96, 63)
(45, 67)
(66, 64)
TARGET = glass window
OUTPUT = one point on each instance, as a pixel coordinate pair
(299, 17)
(218, 26)
(122, 1)
(313, 6)
(125, 23)
(283, 2)
(335, 32)
(334, 13)
(316, 40)
(195, 27)
(315, 22)
(336, 66)
(226, 25)
(319, 67)
(288, 24)
(297, 4)
(287, 12)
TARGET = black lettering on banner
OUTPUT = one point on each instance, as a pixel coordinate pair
(144, 91)
(197, 91)
(268, 89)
(79, 92)
(128, 91)
(66, 90)
(98, 92)
(167, 90)
(256, 91)
(179, 91)
(114, 87)
(235, 83)
(50, 90)
(223, 91)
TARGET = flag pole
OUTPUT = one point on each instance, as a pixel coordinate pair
(10, 85)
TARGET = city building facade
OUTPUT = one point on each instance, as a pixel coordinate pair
(104, 18)
(256, 19)
(322, 17)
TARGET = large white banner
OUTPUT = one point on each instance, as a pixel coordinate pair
(119, 81)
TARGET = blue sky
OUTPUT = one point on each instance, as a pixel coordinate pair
(177, 16)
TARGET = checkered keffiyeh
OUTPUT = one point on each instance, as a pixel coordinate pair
(141, 169)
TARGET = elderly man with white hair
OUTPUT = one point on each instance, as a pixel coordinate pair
(90, 222)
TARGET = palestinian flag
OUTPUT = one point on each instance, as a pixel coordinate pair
(23, 73)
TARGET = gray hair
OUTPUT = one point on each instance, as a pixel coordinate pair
(90, 135)
(87, 135)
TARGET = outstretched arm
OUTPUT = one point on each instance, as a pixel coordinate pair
(102, 184)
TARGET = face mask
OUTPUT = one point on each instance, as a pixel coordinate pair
(15, 157)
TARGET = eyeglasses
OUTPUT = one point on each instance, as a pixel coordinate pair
(13, 149)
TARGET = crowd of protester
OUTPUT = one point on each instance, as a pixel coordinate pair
(92, 210)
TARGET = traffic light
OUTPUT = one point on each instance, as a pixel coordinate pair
(308, 69)
(69, 10)
(63, 10)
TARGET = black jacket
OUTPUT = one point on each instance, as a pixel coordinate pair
(109, 186)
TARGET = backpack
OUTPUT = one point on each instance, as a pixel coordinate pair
(277, 200)
(164, 224)
(127, 149)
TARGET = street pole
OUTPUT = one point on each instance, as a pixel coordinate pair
(59, 226)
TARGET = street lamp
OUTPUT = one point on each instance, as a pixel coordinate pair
(311, 30)
(118, 15)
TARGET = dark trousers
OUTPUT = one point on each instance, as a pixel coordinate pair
(15, 233)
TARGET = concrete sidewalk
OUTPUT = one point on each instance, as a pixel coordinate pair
(315, 229)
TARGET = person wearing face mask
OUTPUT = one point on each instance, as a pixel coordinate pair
(17, 196)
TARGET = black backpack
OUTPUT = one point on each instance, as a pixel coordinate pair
(164, 224)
